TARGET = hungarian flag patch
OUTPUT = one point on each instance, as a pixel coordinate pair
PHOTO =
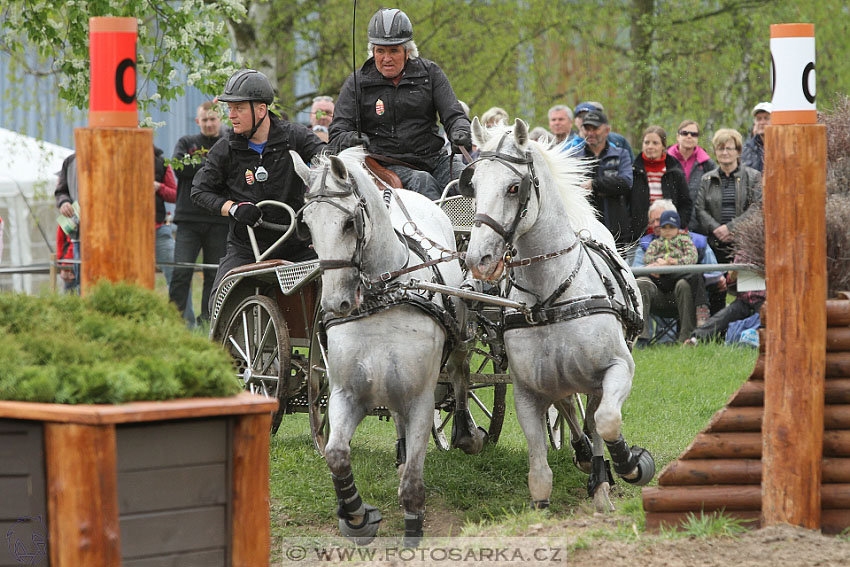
(249, 177)
(379, 107)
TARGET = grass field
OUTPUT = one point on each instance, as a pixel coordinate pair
(675, 392)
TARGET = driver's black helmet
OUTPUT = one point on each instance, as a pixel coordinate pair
(247, 85)
(390, 26)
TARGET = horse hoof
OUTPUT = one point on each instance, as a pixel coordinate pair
(582, 454)
(540, 504)
(364, 532)
(645, 469)
(601, 499)
(471, 444)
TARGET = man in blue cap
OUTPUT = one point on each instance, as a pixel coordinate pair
(577, 141)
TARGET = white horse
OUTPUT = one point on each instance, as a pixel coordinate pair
(585, 304)
(385, 345)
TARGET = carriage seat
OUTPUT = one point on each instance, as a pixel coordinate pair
(382, 174)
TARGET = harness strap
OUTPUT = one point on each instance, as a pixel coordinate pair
(575, 309)
(378, 303)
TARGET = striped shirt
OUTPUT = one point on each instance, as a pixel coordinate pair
(728, 187)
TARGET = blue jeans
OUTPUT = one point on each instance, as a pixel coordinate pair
(165, 250)
(192, 237)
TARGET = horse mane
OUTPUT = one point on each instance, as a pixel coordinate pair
(566, 169)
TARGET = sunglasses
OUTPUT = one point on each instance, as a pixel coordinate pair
(691, 134)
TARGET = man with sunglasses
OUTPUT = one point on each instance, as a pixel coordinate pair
(393, 111)
(252, 164)
(321, 115)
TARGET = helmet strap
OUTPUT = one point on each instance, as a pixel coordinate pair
(254, 122)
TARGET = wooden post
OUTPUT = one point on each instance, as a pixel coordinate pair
(251, 506)
(115, 178)
(115, 165)
(82, 495)
(795, 260)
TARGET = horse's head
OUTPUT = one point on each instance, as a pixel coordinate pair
(335, 212)
(507, 195)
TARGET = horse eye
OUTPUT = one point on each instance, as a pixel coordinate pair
(513, 189)
(348, 225)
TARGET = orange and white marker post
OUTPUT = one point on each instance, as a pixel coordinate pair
(795, 259)
(115, 164)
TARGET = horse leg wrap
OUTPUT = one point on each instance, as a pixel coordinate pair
(539, 504)
(600, 472)
(413, 528)
(624, 460)
(400, 452)
(349, 503)
(583, 451)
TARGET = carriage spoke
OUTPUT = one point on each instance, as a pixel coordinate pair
(263, 340)
(238, 349)
(445, 421)
(247, 340)
(481, 405)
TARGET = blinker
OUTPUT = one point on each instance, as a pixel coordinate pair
(464, 185)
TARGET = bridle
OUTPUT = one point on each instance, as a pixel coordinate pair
(357, 216)
(523, 190)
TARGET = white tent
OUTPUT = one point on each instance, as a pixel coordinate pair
(28, 175)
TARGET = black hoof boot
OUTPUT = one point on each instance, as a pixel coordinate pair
(600, 472)
(540, 504)
(582, 453)
(635, 465)
(413, 529)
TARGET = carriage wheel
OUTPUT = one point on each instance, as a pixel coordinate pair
(317, 390)
(556, 422)
(556, 427)
(258, 340)
(486, 413)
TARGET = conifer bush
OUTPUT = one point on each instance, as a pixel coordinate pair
(118, 344)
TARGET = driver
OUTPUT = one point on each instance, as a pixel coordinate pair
(400, 95)
(251, 164)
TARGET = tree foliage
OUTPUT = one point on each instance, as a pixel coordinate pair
(647, 61)
(51, 38)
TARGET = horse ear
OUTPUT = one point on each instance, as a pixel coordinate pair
(520, 133)
(338, 169)
(479, 133)
(300, 167)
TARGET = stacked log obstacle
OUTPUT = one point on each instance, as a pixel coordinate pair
(722, 468)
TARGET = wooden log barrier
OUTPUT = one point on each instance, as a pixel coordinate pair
(115, 176)
(749, 418)
(836, 391)
(696, 472)
(748, 445)
(728, 497)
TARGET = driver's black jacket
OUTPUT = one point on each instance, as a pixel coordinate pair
(230, 173)
(400, 120)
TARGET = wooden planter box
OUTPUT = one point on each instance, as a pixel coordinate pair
(149, 484)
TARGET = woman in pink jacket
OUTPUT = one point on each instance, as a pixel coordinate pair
(695, 162)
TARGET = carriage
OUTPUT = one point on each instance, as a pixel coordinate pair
(267, 316)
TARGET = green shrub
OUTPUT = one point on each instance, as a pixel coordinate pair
(119, 344)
